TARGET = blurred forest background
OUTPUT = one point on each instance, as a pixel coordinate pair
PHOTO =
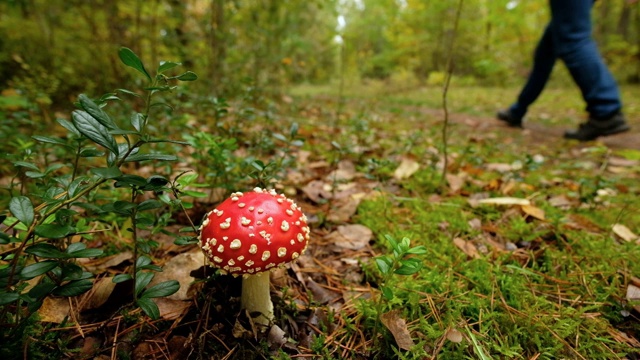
(51, 50)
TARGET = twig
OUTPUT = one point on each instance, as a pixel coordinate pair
(445, 91)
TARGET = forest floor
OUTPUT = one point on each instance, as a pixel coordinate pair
(531, 245)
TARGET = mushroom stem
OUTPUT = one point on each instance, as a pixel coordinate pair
(256, 297)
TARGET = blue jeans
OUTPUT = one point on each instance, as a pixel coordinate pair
(568, 37)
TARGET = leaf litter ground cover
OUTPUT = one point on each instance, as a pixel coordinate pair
(531, 246)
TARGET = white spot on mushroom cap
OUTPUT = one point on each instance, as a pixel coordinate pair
(265, 255)
(245, 221)
(282, 252)
(226, 224)
(284, 226)
(221, 248)
(253, 249)
(235, 244)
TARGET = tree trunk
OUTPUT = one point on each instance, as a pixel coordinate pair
(218, 46)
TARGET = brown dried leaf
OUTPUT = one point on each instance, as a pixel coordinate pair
(179, 268)
(346, 171)
(171, 309)
(276, 337)
(533, 211)
(317, 190)
(456, 182)
(345, 210)
(101, 264)
(320, 294)
(54, 309)
(99, 294)
(353, 236)
(398, 328)
(624, 233)
(467, 247)
(406, 168)
(633, 294)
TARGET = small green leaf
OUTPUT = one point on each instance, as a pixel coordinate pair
(149, 205)
(129, 58)
(90, 152)
(129, 92)
(96, 132)
(166, 65)
(69, 126)
(37, 269)
(22, 208)
(28, 165)
(162, 289)
(143, 260)
(74, 288)
(50, 140)
(107, 173)
(387, 292)
(143, 279)
(384, 264)
(130, 180)
(137, 121)
(54, 231)
(188, 76)
(121, 278)
(96, 112)
(8, 297)
(186, 240)
(145, 157)
(149, 307)
(79, 250)
(42, 290)
(46, 251)
(418, 250)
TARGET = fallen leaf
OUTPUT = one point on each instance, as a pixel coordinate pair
(317, 191)
(346, 171)
(467, 247)
(505, 201)
(171, 309)
(320, 294)
(345, 209)
(624, 233)
(406, 168)
(179, 268)
(560, 201)
(633, 294)
(398, 328)
(456, 182)
(276, 337)
(533, 211)
(99, 294)
(353, 236)
(54, 309)
(499, 167)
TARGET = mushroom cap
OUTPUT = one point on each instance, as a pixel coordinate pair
(254, 232)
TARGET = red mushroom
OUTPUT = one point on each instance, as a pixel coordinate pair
(250, 234)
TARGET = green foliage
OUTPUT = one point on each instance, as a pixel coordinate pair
(49, 236)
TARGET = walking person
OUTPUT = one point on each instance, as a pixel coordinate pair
(568, 37)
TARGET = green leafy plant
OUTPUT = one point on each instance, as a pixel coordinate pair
(46, 239)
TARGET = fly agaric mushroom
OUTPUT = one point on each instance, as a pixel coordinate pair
(251, 234)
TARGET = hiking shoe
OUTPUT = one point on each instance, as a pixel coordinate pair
(507, 116)
(594, 128)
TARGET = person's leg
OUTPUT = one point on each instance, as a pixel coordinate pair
(544, 59)
(571, 29)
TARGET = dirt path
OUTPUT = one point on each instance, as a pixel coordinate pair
(537, 133)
